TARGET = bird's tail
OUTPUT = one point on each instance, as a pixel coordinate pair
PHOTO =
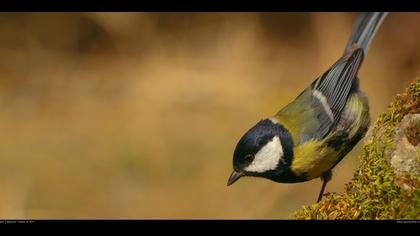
(364, 29)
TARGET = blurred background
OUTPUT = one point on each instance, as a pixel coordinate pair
(136, 115)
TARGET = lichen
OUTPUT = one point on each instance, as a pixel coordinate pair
(376, 190)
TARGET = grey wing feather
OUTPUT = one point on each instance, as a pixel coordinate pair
(337, 82)
(335, 86)
(327, 96)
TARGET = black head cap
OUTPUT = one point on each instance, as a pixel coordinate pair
(256, 138)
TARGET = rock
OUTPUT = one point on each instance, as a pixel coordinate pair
(404, 158)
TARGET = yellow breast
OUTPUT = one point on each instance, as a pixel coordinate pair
(313, 159)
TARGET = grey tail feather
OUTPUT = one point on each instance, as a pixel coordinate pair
(364, 29)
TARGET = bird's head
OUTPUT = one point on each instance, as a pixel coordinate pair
(266, 150)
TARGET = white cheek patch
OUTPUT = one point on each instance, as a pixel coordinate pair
(267, 158)
(274, 120)
(323, 100)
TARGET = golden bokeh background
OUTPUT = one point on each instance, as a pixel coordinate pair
(136, 115)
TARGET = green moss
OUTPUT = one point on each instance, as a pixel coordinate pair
(376, 192)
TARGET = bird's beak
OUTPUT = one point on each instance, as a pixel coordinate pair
(234, 177)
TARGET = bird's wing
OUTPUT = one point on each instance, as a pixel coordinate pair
(332, 89)
(317, 109)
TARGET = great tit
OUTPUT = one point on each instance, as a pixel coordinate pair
(312, 134)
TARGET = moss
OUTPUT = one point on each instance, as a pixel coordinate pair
(376, 191)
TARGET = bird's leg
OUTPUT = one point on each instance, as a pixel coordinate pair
(325, 178)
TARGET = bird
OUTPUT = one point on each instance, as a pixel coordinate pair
(308, 137)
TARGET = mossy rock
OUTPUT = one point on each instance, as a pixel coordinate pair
(386, 183)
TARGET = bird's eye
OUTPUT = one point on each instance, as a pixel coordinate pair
(249, 158)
